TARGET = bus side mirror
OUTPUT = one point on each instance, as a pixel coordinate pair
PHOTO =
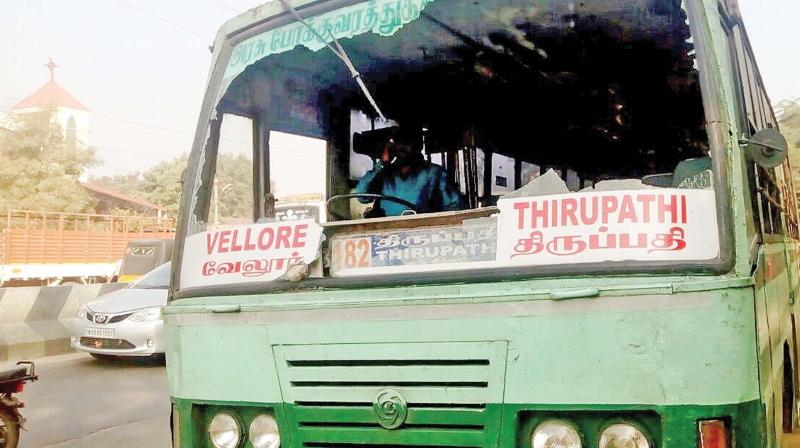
(768, 148)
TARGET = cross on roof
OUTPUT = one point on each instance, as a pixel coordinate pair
(52, 66)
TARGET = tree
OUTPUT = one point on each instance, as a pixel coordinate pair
(235, 186)
(128, 183)
(161, 184)
(789, 118)
(38, 170)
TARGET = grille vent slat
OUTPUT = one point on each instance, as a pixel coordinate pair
(446, 387)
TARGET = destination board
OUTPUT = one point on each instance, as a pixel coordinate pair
(411, 250)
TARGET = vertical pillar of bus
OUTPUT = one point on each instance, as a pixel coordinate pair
(264, 204)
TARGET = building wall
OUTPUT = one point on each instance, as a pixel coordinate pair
(82, 120)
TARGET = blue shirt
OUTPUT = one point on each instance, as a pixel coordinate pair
(426, 186)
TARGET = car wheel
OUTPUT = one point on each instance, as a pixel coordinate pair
(9, 430)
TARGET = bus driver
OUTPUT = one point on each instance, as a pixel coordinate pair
(403, 172)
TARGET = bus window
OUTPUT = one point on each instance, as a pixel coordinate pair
(232, 191)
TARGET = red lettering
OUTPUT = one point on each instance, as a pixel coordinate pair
(647, 201)
(625, 241)
(610, 204)
(537, 214)
(248, 245)
(668, 208)
(211, 242)
(224, 240)
(627, 211)
(587, 219)
(300, 235)
(265, 238)
(554, 219)
(520, 207)
(683, 209)
(283, 237)
(568, 208)
(609, 243)
(235, 247)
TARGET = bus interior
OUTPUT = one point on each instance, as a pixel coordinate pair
(502, 91)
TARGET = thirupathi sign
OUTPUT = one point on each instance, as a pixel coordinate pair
(383, 17)
(641, 225)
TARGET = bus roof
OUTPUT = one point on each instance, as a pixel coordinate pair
(254, 16)
(274, 8)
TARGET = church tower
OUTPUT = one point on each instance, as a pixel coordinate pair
(73, 117)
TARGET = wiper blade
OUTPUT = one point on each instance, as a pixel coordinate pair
(340, 53)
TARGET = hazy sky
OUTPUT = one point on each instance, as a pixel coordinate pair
(143, 76)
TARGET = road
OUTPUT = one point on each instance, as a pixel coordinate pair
(81, 402)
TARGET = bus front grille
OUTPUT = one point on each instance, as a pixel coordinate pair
(393, 395)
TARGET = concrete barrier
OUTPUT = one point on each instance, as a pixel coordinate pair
(36, 321)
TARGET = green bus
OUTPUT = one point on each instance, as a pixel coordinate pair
(616, 265)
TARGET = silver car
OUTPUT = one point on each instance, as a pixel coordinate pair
(126, 322)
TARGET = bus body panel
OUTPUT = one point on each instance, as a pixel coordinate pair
(587, 359)
(776, 335)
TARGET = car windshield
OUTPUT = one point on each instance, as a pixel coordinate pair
(158, 278)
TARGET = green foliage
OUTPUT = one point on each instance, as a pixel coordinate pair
(789, 117)
(235, 186)
(161, 185)
(123, 183)
(38, 170)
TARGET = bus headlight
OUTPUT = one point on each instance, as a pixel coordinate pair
(623, 435)
(264, 432)
(223, 430)
(555, 433)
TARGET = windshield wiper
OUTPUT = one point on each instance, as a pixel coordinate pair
(340, 53)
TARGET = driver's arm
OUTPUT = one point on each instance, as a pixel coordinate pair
(372, 181)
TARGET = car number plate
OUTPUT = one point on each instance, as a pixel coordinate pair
(100, 332)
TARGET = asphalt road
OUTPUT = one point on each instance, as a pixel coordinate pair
(81, 402)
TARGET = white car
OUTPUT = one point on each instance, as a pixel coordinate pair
(125, 322)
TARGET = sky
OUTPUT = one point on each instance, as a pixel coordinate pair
(140, 66)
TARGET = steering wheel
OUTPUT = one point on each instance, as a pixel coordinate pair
(374, 197)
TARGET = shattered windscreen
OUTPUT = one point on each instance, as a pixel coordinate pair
(579, 125)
